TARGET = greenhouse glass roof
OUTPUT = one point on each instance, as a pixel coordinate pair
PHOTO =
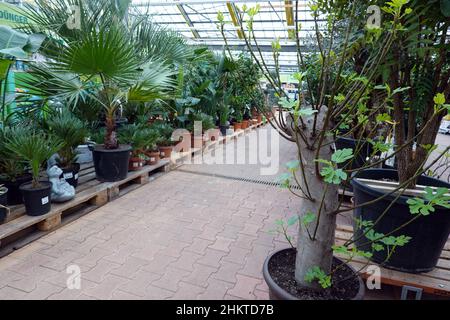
(197, 21)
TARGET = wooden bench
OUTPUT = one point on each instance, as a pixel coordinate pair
(435, 282)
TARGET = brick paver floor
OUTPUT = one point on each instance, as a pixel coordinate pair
(182, 236)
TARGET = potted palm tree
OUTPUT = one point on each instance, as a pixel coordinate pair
(107, 60)
(36, 148)
(73, 132)
(13, 169)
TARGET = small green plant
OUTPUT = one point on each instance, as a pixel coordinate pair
(165, 131)
(72, 131)
(12, 165)
(224, 114)
(35, 147)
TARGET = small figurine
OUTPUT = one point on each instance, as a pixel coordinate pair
(61, 190)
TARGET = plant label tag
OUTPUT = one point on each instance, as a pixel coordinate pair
(44, 200)
(135, 164)
(68, 175)
(163, 154)
(152, 159)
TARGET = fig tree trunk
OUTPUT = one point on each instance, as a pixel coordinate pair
(316, 251)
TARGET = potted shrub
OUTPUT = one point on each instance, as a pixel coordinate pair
(36, 148)
(133, 135)
(13, 168)
(418, 89)
(206, 122)
(164, 142)
(309, 270)
(73, 132)
(238, 123)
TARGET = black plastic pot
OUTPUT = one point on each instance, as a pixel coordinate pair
(14, 195)
(37, 200)
(278, 293)
(71, 174)
(3, 202)
(4, 198)
(363, 148)
(428, 233)
(111, 165)
(223, 129)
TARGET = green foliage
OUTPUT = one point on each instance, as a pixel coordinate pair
(72, 131)
(343, 155)
(315, 273)
(431, 199)
(34, 147)
(330, 172)
(12, 165)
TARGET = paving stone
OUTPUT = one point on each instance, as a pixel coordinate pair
(104, 290)
(215, 290)
(211, 258)
(171, 279)
(200, 275)
(227, 271)
(244, 288)
(139, 283)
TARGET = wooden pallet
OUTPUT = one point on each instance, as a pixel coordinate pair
(90, 195)
(435, 282)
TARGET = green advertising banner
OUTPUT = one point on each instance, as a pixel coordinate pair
(10, 15)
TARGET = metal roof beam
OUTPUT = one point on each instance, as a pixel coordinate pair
(182, 2)
(188, 20)
(256, 21)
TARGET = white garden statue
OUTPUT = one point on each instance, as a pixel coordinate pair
(61, 190)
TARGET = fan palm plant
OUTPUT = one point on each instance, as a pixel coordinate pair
(72, 131)
(103, 60)
(35, 147)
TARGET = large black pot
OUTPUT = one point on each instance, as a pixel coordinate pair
(429, 233)
(14, 194)
(363, 150)
(278, 293)
(111, 165)
(71, 174)
(37, 200)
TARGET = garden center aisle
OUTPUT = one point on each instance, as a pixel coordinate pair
(182, 236)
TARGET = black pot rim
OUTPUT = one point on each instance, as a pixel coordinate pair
(45, 185)
(286, 295)
(3, 193)
(122, 148)
(376, 193)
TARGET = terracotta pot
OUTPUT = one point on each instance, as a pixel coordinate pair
(259, 118)
(165, 151)
(237, 126)
(244, 124)
(135, 164)
(153, 157)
